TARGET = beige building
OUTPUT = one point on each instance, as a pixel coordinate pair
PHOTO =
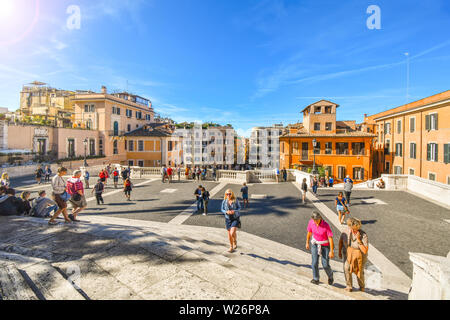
(113, 115)
(37, 99)
(414, 139)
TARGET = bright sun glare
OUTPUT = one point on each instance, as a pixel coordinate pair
(6, 9)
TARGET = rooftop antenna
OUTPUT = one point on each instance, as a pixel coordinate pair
(407, 75)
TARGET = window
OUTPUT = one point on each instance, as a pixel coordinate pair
(71, 148)
(412, 150)
(412, 125)
(317, 148)
(328, 126)
(341, 172)
(411, 172)
(138, 115)
(131, 163)
(170, 146)
(295, 148)
(115, 147)
(141, 163)
(100, 147)
(328, 109)
(116, 128)
(358, 173)
(129, 113)
(432, 152)
(342, 148)
(116, 110)
(398, 170)
(399, 126)
(317, 110)
(387, 148)
(328, 147)
(140, 145)
(88, 108)
(129, 127)
(398, 149)
(431, 122)
(147, 117)
(92, 147)
(131, 145)
(358, 148)
(305, 147)
(432, 176)
(387, 168)
(447, 153)
(317, 126)
(387, 128)
(89, 124)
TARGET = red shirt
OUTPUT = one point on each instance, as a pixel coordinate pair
(169, 171)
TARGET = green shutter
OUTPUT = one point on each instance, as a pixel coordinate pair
(427, 122)
(428, 152)
(436, 153)
(446, 153)
(435, 121)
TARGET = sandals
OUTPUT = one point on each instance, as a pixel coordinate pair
(52, 223)
(235, 245)
(231, 250)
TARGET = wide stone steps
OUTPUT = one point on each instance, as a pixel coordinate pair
(111, 258)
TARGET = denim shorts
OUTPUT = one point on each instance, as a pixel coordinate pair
(340, 208)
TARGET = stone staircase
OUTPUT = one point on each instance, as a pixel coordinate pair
(108, 258)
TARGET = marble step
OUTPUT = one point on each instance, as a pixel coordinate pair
(13, 285)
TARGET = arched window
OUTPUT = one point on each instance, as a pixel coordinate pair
(116, 128)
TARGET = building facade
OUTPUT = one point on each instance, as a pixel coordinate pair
(208, 145)
(113, 115)
(341, 148)
(265, 146)
(153, 145)
(414, 139)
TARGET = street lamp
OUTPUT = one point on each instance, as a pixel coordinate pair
(85, 142)
(314, 142)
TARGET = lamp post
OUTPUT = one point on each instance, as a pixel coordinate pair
(314, 142)
(85, 142)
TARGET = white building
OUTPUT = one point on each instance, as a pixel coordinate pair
(265, 146)
(214, 145)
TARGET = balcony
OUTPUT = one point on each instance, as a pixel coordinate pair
(115, 133)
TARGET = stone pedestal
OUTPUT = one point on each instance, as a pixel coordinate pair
(431, 277)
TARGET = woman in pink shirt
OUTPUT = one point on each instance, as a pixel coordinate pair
(76, 190)
(321, 238)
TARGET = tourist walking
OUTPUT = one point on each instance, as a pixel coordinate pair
(348, 186)
(314, 185)
(115, 175)
(353, 249)
(204, 172)
(125, 174)
(214, 173)
(284, 171)
(38, 174)
(205, 198)
(169, 174)
(231, 209)
(341, 207)
(331, 182)
(320, 241)
(42, 206)
(102, 175)
(198, 173)
(86, 178)
(199, 199)
(186, 173)
(76, 190)
(98, 189)
(48, 173)
(127, 188)
(277, 174)
(163, 174)
(179, 172)
(244, 192)
(4, 182)
(60, 195)
(304, 188)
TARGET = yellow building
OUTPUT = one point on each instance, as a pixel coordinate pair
(414, 139)
(37, 99)
(153, 145)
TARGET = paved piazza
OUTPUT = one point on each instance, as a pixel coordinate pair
(397, 222)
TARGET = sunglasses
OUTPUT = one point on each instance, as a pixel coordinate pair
(228, 194)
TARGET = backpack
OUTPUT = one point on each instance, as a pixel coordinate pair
(99, 188)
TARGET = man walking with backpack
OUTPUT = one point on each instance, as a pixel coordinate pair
(98, 189)
(205, 197)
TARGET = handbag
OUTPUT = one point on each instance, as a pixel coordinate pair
(76, 197)
(65, 196)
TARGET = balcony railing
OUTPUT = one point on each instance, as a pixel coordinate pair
(115, 133)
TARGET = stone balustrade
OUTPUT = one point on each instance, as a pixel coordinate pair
(431, 277)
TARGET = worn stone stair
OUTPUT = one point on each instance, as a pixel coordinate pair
(112, 258)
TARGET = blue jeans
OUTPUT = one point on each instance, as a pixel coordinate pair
(325, 261)
(314, 188)
(200, 204)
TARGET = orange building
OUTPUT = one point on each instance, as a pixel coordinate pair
(153, 145)
(414, 139)
(342, 148)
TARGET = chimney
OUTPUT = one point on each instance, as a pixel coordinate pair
(104, 90)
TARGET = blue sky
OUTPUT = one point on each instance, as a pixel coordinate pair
(246, 62)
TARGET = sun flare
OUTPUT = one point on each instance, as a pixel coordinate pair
(6, 9)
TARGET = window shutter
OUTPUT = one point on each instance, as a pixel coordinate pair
(446, 153)
(435, 118)
(428, 152)
(427, 122)
(436, 152)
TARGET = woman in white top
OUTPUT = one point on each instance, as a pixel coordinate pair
(59, 188)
